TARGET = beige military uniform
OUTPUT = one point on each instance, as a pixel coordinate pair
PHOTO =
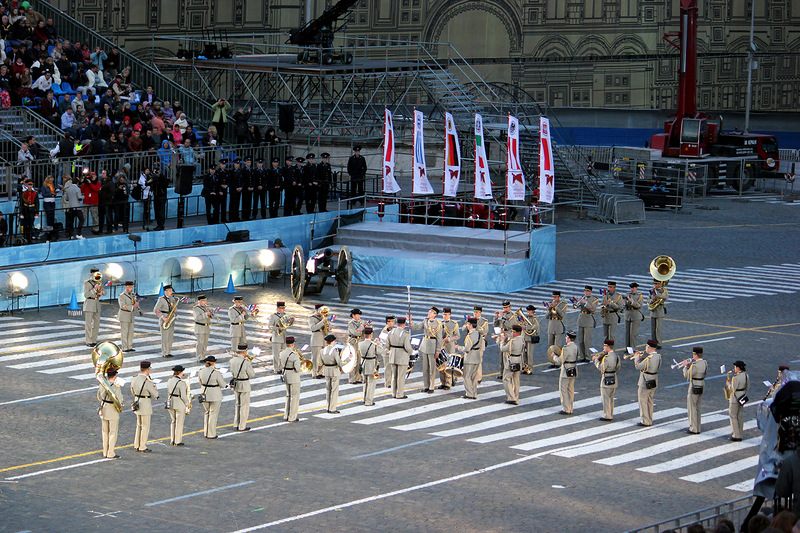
(399, 355)
(162, 308)
(613, 303)
(432, 339)
(242, 371)
(237, 316)
(178, 394)
(211, 384)
(608, 366)
(355, 334)
(528, 332)
(331, 363)
(633, 317)
(92, 291)
(278, 339)
(126, 301)
(566, 384)
(290, 365)
(143, 390)
(585, 324)
(472, 360)
(320, 328)
(369, 352)
(505, 322)
(739, 385)
(110, 418)
(648, 367)
(449, 329)
(695, 373)
(483, 330)
(511, 352)
(555, 324)
(202, 329)
(657, 315)
(387, 357)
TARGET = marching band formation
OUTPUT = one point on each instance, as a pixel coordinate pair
(441, 352)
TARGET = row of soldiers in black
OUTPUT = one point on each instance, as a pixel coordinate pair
(254, 188)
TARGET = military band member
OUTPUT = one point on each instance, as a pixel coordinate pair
(202, 326)
(611, 306)
(164, 306)
(569, 371)
(530, 329)
(369, 351)
(658, 298)
(355, 334)
(695, 373)
(587, 305)
(331, 368)
(387, 357)
(738, 385)
(556, 311)
(109, 414)
(237, 316)
(290, 367)
(472, 358)
(178, 395)
(211, 384)
(92, 292)
(278, 324)
(504, 320)
(451, 335)
(432, 339)
(242, 372)
(648, 366)
(633, 314)
(511, 350)
(320, 327)
(399, 356)
(483, 330)
(608, 363)
(144, 391)
(128, 305)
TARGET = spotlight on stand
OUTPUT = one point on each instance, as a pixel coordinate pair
(270, 262)
(193, 268)
(17, 285)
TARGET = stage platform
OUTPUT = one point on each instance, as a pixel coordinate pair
(287, 64)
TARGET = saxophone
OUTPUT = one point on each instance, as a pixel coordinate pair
(172, 314)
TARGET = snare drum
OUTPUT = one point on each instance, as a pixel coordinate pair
(441, 360)
(455, 365)
(412, 359)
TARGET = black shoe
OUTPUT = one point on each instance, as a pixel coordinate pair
(168, 355)
(658, 347)
(334, 412)
(605, 419)
(115, 457)
(405, 397)
(690, 432)
(509, 402)
(296, 420)
(446, 388)
(563, 412)
(146, 450)
(92, 344)
(214, 437)
(553, 366)
(129, 350)
(245, 429)
(425, 390)
(642, 424)
(179, 444)
(736, 439)
(430, 391)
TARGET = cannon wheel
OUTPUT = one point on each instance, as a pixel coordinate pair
(344, 274)
(298, 274)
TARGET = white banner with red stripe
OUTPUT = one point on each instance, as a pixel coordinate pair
(419, 183)
(547, 186)
(515, 179)
(390, 185)
(452, 157)
(483, 181)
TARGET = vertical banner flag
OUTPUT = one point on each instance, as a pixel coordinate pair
(390, 185)
(515, 179)
(419, 183)
(546, 176)
(483, 182)
(452, 157)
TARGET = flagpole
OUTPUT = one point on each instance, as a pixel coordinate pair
(444, 169)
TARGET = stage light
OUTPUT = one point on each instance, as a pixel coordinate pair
(18, 282)
(266, 257)
(114, 271)
(194, 264)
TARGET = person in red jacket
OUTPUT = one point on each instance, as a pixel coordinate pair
(90, 188)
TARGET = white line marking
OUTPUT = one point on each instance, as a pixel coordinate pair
(48, 395)
(199, 493)
(40, 472)
(700, 456)
(724, 470)
(700, 342)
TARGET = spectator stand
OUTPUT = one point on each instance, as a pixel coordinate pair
(734, 510)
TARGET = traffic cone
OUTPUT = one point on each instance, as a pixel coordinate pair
(72, 308)
(230, 289)
(161, 290)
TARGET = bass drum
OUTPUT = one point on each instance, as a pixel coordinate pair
(441, 360)
(455, 365)
(349, 358)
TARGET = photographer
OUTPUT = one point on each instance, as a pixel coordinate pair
(90, 188)
(121, 207)
(106, 200)
(159, 184)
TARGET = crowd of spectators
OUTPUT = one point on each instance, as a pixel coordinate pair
(764, 522)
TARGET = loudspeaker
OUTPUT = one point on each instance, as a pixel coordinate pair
(240, 235)
(286, 118)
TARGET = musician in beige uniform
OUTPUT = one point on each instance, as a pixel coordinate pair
(179, 401)
(92, 292)
(290, 367)
(695, 373)
(658, 299)
(162, 309)
(483, 330)
(608, 363)
(237, 316)
(387, 358)
(556, 312)
(128, 305)
(530, 330)
(355, 334)
(242, 372)
(399, 355)
(109, 414)
(331, 363)
(586, 321)
(144, 391)
(648, 364)
(432, 339)
(569, 371)
(369, 351)
(211, 384)
(278, 324)
(472, 359)
(611, 306)
(202, 326)
(511, 350)
(633, 314)
(451, 336)
(738, 386)
(320, 327)
(504, 320)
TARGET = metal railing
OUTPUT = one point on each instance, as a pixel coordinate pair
(734, 510)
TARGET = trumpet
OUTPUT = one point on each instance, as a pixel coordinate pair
(633, 355)
(576, 302)
(680, 364)
(211, 314)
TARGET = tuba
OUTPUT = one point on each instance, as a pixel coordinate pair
(107, 356)
(662, 268)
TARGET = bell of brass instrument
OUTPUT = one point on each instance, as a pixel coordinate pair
(663, 268)
(97, 276)
(107, 356)
(305, 364)
(681, 364)
(285, 323)
(520, 313)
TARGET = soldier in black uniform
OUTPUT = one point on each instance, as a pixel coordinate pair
(259, 179)
(357, 168)
(287, 173)
(209, 193)
(235, 191)
(247, 187)
(310, 183)
(158, 187)
(222, 179)
(325, 179)
(297, 185)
